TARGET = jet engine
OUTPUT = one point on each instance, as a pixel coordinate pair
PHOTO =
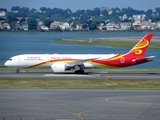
(59, 67)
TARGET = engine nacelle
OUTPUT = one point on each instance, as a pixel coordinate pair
(59, 67)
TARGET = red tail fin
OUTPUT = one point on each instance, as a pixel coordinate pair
(134, 57)
(140, 49)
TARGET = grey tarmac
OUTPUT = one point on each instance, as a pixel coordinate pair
(74, 104)
(114, 76)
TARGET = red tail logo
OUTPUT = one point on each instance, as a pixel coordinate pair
(141, 47)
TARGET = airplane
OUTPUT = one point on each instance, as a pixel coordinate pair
(60, 63)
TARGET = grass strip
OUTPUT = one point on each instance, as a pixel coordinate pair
(111, 43)
(12, 83)
(50, 83)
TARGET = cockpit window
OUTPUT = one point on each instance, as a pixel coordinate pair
(10, 59)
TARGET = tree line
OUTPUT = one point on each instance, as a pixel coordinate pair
(58, 14)
(89, 18)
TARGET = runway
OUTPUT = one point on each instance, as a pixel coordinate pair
(114, 76)
(74, 104)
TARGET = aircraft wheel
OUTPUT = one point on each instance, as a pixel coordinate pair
(76, 72)
(82, 71)
(79, 72)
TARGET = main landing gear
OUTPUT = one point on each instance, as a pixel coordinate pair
(78, 70)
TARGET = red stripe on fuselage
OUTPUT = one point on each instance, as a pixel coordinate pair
(52, 61)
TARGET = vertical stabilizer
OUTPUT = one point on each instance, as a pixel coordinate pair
(140, 49)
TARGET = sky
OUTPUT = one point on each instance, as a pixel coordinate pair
(81, 4)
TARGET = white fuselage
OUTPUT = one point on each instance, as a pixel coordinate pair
(43, 60)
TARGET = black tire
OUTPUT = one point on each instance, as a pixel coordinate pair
(79, 72)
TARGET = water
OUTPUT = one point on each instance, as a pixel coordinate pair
(14, 43)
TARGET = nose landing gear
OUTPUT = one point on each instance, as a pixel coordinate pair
(17, 70)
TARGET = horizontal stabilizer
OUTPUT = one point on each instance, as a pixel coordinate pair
(147, 59)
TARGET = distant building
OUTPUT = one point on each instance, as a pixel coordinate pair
(54, 25)
(146, 25)
(79, 27)
(154, 26)
(126, 26)
(158, 25)
(40, 24)
(2, 13)
(139, 18)
(110, 26)
(6, 26)
(101, 26)
(24, 26)
(136, 26)
(109, 12)
(64, 26)
(118, 25)
(43, 27)
(124, 17)
(61, 25)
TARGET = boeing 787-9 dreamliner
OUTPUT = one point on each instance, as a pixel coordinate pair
(62, 62)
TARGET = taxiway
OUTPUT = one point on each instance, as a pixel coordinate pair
(74, 104)
(116, 76)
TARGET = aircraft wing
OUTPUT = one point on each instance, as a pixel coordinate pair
(80, 62)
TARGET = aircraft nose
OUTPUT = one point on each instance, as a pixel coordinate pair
(6, 63)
